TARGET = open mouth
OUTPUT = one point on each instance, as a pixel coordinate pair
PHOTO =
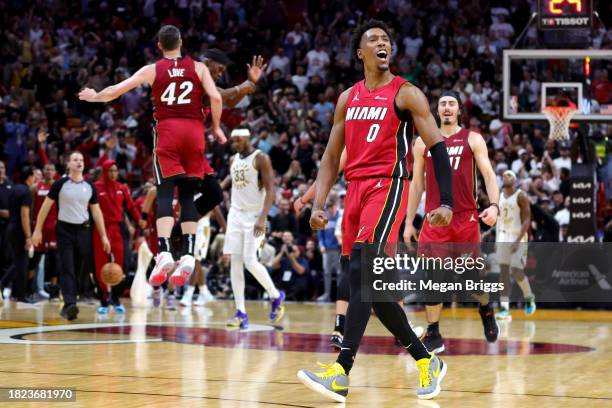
(382, 55)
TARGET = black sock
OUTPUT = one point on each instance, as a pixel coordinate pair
(163, 244)
(188, 244)
(486, 308)
(346, 359)
(339, 327)
(392, 316)
(434, 328)
(418, 351)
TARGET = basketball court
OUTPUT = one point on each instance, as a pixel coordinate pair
(187, 358)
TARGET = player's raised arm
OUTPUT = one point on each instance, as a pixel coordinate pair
(330, 162)
(481, 155)
(411, 98)
(216, 103)
(145, 74)
(417, 186)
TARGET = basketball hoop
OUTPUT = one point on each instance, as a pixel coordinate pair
(559, 118)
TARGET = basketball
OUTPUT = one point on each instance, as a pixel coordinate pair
(112, 274)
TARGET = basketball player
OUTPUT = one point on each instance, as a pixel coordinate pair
(210, 193)
(252, 197)
(375, 118)
(178, 85)
(342, 296)
(149, 209)
(465, 148)
(114, 197)
(511, 237)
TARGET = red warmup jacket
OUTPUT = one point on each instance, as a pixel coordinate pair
(113, 196)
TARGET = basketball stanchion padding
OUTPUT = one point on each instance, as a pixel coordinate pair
(559, 118)
(138, 291)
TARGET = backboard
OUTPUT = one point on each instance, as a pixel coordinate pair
(534, 79)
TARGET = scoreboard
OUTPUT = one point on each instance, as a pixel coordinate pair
(558, 14)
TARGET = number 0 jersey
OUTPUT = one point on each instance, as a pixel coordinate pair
(377, 140)
(177, 89)
(463, 166)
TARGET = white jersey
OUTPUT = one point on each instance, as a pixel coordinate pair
(247, 194)
(509, 221)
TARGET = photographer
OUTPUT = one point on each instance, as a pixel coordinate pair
(291, 269)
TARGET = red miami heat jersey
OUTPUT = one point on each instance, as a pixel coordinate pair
(177, 89)
(463, 166)
(377, 140)
(42, 189)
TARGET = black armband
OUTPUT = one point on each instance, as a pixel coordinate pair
(443, 172)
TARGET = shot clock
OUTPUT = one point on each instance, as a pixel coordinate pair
(557, 14)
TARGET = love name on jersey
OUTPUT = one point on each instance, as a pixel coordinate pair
(366, 113)
(176, 72)
(454, 155)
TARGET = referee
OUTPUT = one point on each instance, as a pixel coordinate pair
(74, 196)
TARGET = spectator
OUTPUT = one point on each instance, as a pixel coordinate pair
(317, 61)
(5, 190)
(284, 221)
(330, 248)
(564, 160)
(291, 269)
(280, 62)
(19, 235)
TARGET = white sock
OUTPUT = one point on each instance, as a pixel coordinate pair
(263, 277)
(504, 301)
(189, 292)
(525, 287)
(204, 289)
(237, 277)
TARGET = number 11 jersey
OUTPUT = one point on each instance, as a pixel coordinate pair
(377, 139)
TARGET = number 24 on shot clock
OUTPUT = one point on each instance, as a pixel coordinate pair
(564, 14)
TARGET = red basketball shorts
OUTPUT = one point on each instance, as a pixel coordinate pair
(374, 211)
(49, 241)
(179, 149)
(462, 232)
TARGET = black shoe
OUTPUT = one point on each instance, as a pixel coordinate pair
(398, 343)
(70, 312)
(433, 342)
(336, 340)
(53, 291)
(491, 329)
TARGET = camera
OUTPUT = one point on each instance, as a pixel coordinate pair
(290, 248)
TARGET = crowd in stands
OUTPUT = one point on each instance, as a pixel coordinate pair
(49, 50)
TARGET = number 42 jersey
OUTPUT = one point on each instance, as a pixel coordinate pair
(377, 140)
(177, 89)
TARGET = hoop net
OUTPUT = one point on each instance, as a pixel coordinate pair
(559, 118)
